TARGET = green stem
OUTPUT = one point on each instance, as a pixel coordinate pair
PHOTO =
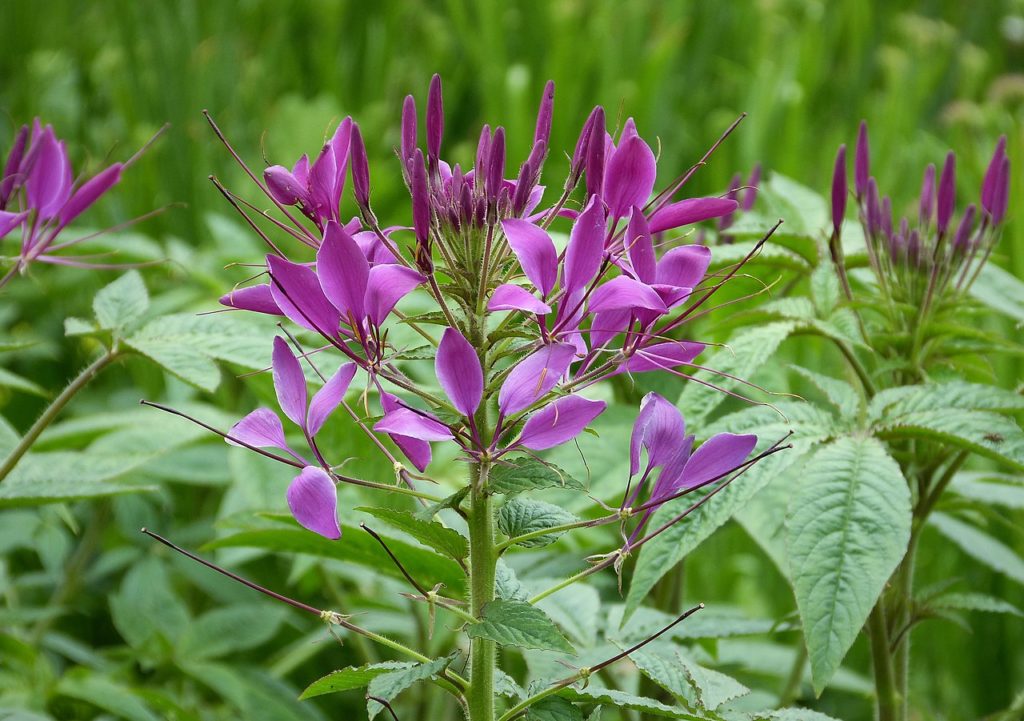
(885, 688)
(554, 529)
(858, 368)
(796, 677)
(52, 410)
(482, 561)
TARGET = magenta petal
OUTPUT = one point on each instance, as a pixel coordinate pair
(313, 498)
(684, 266)
(691, 210)
(49, 180)
(629, 176)
(640, 247)
(660, 429)
(328, 398)
(261, 429)
(257, 298)
(90, 192)
(297, 292)
(322, 179)
(386, 285)
(534, 376)
(289, 383)
(459, 373)
(514, 297)
(283, 185)
(715, 458)
(418, 452)
(535, 251)
(585, 248)
(9, 221)
(559, 422)
(606, 326)
(406, 422)
(343, 271)
(341, 144)
(663, 356)
(624, 293)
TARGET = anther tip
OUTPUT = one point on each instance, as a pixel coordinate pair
(143, 530)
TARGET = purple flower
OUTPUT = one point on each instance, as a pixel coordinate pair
(629, 174)
(459, 372)
(313, 500)
(839, 191)
(559, 422)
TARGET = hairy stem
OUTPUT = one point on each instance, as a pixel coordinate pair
(482, 560)
(885, 688)
(54, 409)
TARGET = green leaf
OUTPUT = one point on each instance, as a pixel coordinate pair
(554, 708)
(61, 476)
(848, 527)
(791, 714)
(838, 392)
(959, 395)
(711, 623)
(146, 610)
(980, 546)
(505, 685)
(1000, 290)
(528, 474)
(621, 699)
(79, 326)
(355, 546)
(975, 602)
(800, 309)
(805, 211)
(519, 517)
(388, 685)
(742, 357)
(103, 692)
(230, 629)
(430, 533)
(353, 677)
(18, 383)
(670, 667)
(506, 586)
(984, 433)
(515, 623)
(257, 696)
(121, 303)
(825, 288)
(993, 488)
(575, 609)
(452, 501)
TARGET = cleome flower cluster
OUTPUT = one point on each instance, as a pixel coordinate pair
(526, 326)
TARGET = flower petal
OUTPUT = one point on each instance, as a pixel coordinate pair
(257, 298)
(313, 498)
(559, 422)
(418, 452)
(691, 210)
(343, 271)
(607, 325)
(283, 185)
(386, 285)
(289, 383)
(9, 221)
(262, 429)
(514, 297)
(535, 251)
(585, 248)
(328, 398)
(49, 180)
(716, 457)
(297, 292)
(662, 356)
(406, 422)
(89, 192)
(624, 293)
(640, 247)
(660, 429)
(459, 373)
(685, 266)
(629, 176)
(534, 376)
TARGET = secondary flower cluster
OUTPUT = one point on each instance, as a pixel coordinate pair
(919, 258)
(40, 195)
(526, 325)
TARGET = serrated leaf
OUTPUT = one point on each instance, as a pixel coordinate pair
(958, 395)
(847, 529)
(354, 677)
(743, 355)
(522, 475)
(388, 685)
(516, 623)
(19, 383)
(671, 668)
(838, 392)
(992, 488)
(420, 352)
(506, 586)
(79, 326)
(621, 699)
(792, 308)
(429, 533)
(975, 602)
(61, 476)
(575, 609)
(980, 546)
(230, 629)
(791, 714)
(505, 685)
(519, 517)
(984, 433)
(554, 708)
(825, 288)
(1000, 290)
(121, 303)
(452, 501)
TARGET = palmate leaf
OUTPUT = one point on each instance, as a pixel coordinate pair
(121, 303)
(987, 434)
(847, 529)
(519, 517)
(974, 602)
(429, 533)
(1000, 290)
(353, 677)
(980, 546)
(516, 623)
(958, 395)
(838, 392)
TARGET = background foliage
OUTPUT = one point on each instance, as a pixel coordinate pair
(927, 76)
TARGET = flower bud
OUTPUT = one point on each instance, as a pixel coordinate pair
(988, 187)
(839, 191)
(542, 133)
(947, 193)
(861, 171)
(10, 180)
(595, 154)
(360, 169)
(750, 194)
(962, 239)
(408, 127)
(927, 205)
(435, 118)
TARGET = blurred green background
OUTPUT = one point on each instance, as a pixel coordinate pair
(928, 76)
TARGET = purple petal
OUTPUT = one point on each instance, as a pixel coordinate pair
(606, 326)
(289, 383)
(988, 187)
(641, 247)
(406, 422)
(839, 190)
(257, 298)
(9, 221)
(964, 230)
(343, 271)
(283, 185)
(296, 291)
(90, 192)
(328, 398)
(420, 197)
(660, 429)
(435, 117)
(535, 251)
(387, 285)
(947, 194)
(927, 204)
(408, 127)
(341, 144)
(514, 297)
(261, 429)
(585, 248)
(625, 293)
(458, 371)
(716, 457)
(861, 169)
(662, 356)
(534, 376)
(559, 422)
(360, 168)
(542, 132)
(418, 452)
(691, 210)
(10, 176)
(1001, 196)
(322, 179)
(684, 266)
(596, 146)
(630, 175)
(313, 498)
(49, 181)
